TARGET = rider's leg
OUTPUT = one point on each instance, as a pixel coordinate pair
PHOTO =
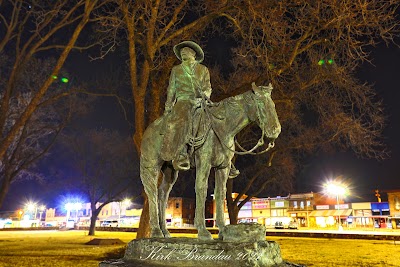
(180, 131)
(181, 161)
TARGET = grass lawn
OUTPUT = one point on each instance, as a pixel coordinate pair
(67, 248)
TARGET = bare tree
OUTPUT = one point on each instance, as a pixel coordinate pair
(31, 28)
(310, 52)
(102, 163)
(151, 29)
(34, 140)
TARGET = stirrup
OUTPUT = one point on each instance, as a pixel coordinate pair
(181, 163)
(233, 172)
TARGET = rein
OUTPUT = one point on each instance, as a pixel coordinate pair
(194, 142)
(243, 150)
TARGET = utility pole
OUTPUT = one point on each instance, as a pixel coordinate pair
(378, 196)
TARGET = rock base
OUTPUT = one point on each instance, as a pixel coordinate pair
(244, 232)
(190, 252)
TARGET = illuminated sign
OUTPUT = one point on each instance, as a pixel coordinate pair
(342, 206)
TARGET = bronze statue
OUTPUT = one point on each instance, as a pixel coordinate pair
(212, 147)
(189, 85)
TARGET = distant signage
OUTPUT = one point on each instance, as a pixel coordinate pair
(279, 204)
(246, 206)
(322, 207)
(260, 204)
(342, 206)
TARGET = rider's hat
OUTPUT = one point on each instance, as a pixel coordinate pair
(192, 45)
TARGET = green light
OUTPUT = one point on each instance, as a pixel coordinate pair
(64, 80)
(330, 61)
(54, 77)
(321, 62)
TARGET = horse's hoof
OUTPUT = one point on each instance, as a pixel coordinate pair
(221, 235)
(204, 235)
(166, 234)
(156, 233)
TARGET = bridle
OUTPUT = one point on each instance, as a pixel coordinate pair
(261, 122)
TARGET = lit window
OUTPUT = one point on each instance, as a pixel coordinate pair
(396, 203)
(302, 204)
(295, 204)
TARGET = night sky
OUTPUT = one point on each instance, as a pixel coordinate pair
(363, 175)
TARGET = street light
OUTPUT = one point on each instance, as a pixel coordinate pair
(77, 206)
(41, 210)
(126, 202)
(73, 206)
(32, 207)
(336, 189)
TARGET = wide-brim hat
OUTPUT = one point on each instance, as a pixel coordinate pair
(192, 45)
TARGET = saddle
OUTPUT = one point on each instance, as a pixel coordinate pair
(199, 124)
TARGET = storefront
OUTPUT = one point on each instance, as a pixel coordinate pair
(330, 215)
(394, 206)
(362, 215)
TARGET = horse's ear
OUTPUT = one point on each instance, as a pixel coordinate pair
(269, 88)
(256, 89)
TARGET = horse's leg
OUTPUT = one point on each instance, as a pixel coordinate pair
(149, 176)
(202, 172)
(221, 177)
(169, 179)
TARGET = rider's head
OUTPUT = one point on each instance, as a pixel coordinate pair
(188, 48)
(188, 54)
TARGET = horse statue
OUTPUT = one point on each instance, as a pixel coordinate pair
(216, 151)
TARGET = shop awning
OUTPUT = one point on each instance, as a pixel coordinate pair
(318, 213)
(327, 213)
(342, 213)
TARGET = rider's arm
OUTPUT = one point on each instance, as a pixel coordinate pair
(171, 90)
(206, 83)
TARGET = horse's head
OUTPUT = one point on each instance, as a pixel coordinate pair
(266, 113)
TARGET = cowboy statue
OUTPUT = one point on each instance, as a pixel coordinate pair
(189, 88)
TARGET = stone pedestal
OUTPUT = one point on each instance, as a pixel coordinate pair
(243, 245)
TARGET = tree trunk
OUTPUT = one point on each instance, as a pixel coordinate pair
(93, 218)
(4, 188)
(233, 212)
(144, 223)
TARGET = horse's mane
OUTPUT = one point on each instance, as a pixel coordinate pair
(231, 103)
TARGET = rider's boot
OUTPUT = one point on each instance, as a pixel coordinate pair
(181, 162)
(233, 172)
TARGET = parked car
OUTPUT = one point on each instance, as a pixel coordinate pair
(293, 225)
(279, 225)
(110, 224)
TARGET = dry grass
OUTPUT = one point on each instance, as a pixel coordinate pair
(62, 249)
(339, 252)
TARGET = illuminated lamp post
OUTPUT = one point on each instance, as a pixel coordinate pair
(126, 202)
(337, 190)
(32, 207)
(20, 212)
(77, 206)
(41, 210)
(68, 207)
